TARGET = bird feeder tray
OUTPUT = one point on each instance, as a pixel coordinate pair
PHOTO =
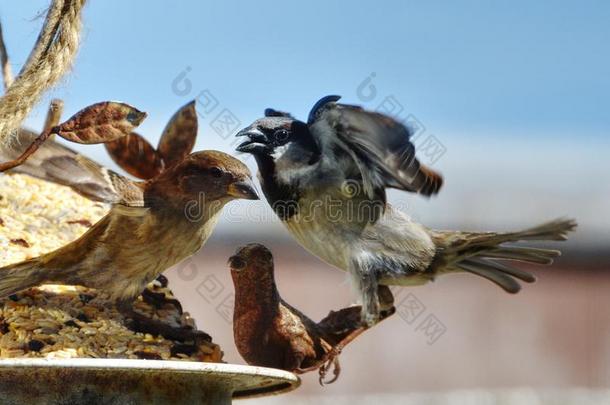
(125, 381)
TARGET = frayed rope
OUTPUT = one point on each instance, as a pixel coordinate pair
(49, 60)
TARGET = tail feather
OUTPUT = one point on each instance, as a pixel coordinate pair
(494, 275)
(524, 254)
(556, 230)
(20, 276)
(483, 253)
(553, 230)
(499, 267)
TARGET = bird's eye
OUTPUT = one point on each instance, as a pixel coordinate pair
(281, 135)
(216, 172)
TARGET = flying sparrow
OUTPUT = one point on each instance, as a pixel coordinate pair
(269, 332)
(327, 178)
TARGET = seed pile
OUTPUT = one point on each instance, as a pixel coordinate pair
(37, 217)
(55, 321)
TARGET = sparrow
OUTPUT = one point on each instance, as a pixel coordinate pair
(269, 332)
(151, 226)
(327, 178)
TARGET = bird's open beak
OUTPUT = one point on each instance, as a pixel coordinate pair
(244, 190)
(257, 142)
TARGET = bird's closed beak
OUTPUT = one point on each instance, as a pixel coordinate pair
(256, 143)
(243, 189)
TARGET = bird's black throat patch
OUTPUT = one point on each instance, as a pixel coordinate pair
(283, 199)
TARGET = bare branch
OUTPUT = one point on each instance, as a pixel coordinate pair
(7, 73)
(27, 153)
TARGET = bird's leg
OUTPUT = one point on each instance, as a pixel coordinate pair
(142, 323)
(386, 298)
(364, 279)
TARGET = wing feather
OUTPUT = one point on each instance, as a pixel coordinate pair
(380, 146)
(59, 164)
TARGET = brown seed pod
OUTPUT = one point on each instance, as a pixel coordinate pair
(178, 138)
(101, 122)
(136, 156)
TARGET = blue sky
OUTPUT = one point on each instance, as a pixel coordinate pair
(517, 92)
(519, 66)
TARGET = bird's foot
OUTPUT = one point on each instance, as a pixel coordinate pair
(159, 300)
(143, 324)
(332, 360)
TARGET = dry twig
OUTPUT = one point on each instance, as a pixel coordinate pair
(56, 107)
(101, 122)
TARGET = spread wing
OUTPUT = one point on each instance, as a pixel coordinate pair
(62, 165)
(380, 147)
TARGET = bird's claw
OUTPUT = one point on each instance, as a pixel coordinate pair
(332, 359)
(139, 322)
(158, 300)
(370, 319)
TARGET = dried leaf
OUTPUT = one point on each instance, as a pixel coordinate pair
(101, 122)
(136, 156)
(179, 136)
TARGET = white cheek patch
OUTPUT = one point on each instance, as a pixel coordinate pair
(279, 151)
